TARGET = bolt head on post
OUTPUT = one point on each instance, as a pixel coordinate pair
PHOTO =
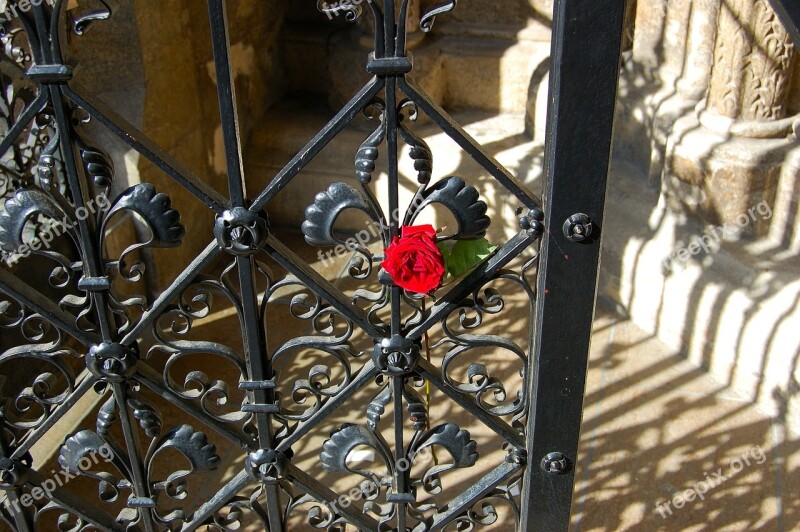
(555, 463)
(578, 227)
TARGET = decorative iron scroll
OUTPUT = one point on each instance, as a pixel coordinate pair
(90, 332)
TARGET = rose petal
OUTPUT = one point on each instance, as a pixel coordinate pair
(413, 261)
(410, 230)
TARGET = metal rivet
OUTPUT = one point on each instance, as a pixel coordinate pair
(578, 227)
(532, 222)
(555, 463)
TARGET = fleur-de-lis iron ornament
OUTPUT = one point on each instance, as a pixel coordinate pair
(91, 332)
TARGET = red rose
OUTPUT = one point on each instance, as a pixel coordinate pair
(413, 260)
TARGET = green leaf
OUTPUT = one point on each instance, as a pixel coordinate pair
(465, 255)
(444, 247)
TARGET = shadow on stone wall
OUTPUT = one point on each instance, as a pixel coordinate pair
(728, 306)
(732, 308)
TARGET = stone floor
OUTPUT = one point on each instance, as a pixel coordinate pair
(655, 426)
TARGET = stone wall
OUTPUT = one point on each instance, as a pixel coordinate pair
(705, 251)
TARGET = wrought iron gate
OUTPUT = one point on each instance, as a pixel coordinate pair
(94, 337)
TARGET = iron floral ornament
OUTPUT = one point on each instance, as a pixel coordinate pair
(416, 258)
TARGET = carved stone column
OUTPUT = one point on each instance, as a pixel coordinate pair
(726, 158)
(752, 64)
(666, 76)
(698, 58)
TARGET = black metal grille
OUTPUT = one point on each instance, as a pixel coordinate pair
(86, 333)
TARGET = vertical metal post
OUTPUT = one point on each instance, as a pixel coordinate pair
(254, 335)
(583, 82)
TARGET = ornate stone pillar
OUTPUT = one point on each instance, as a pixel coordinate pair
(699, 45)
(727, 157)
(752, 64)
(671, 59)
